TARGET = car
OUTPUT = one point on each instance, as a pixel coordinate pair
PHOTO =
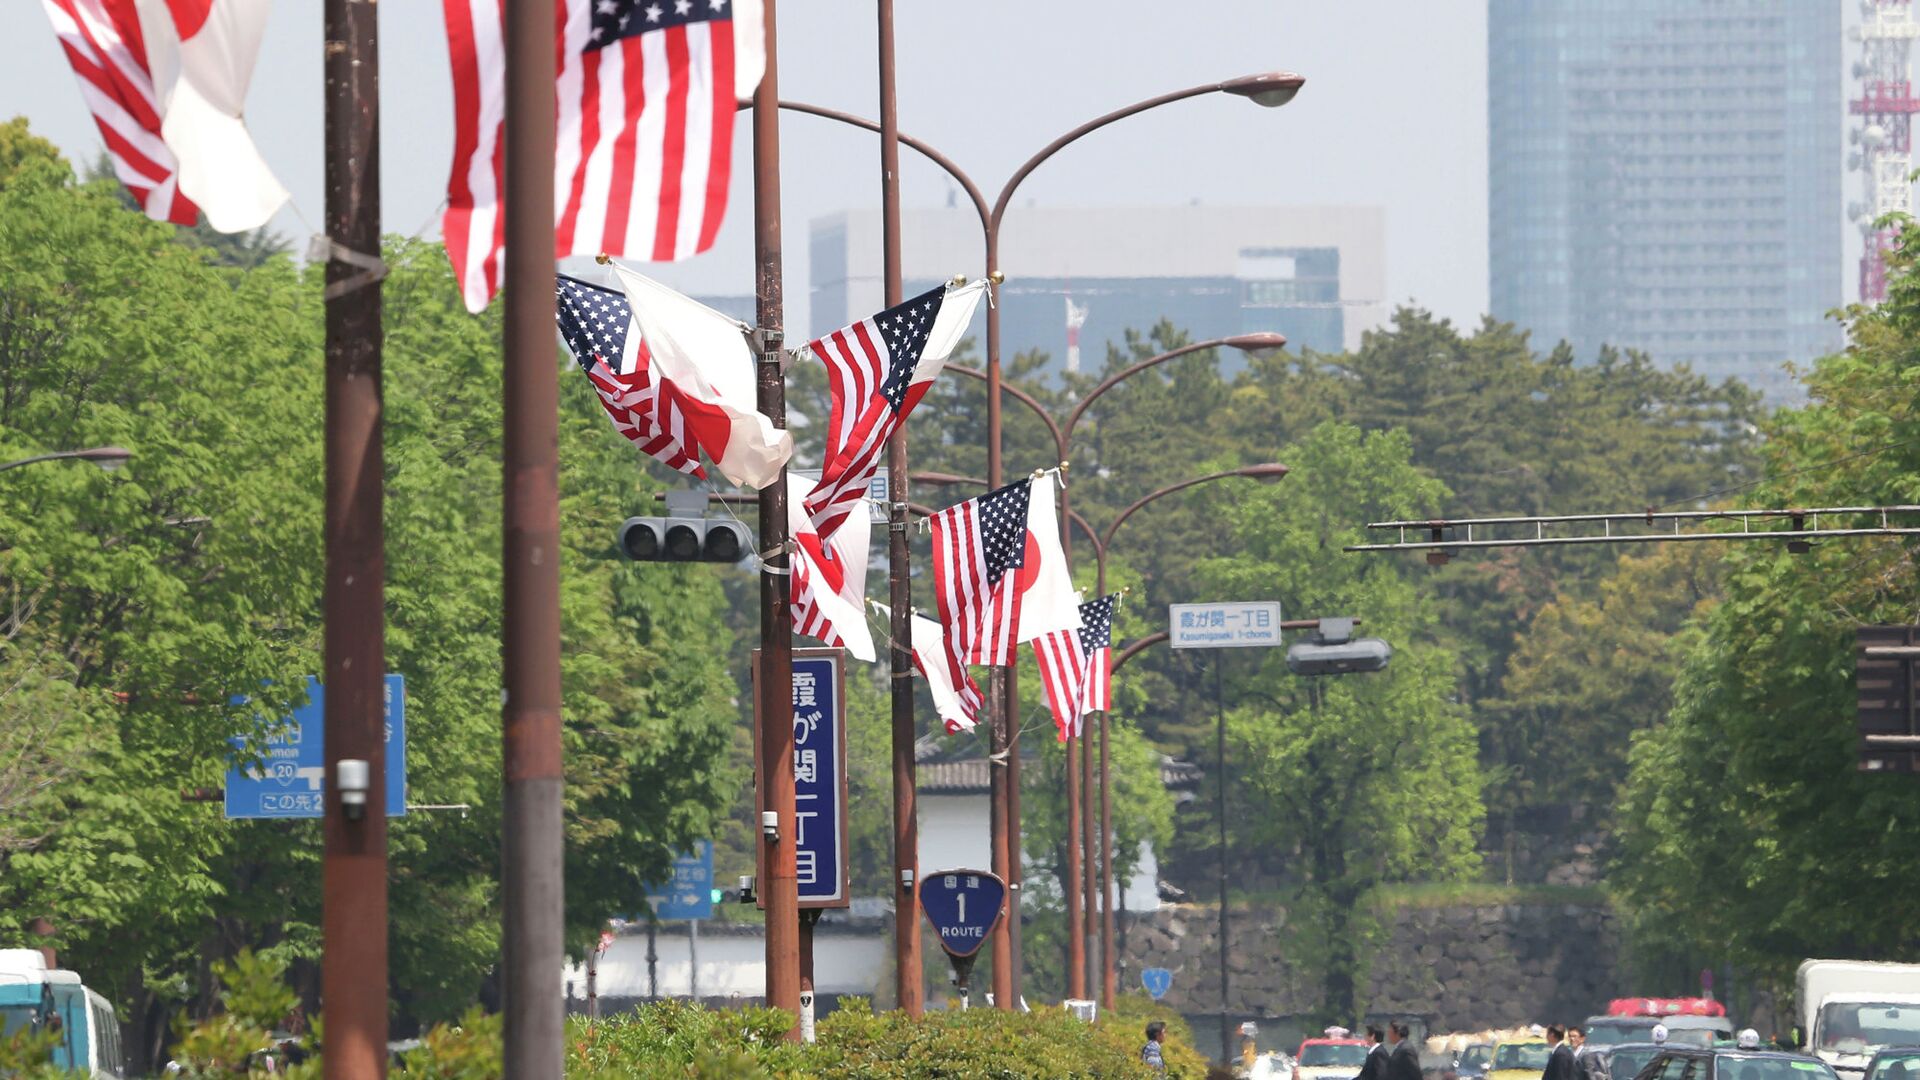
(1518, 1059)
(1682, 1029)
(1894, 1063)
(1622, 1061)
(1731, 1063)
(1330, 1059)
(1472, 1062)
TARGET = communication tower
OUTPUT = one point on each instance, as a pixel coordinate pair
(1884, 135)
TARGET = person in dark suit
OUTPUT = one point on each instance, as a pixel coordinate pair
(1376, 1064)
(1560, 1063)
(1403, 1062)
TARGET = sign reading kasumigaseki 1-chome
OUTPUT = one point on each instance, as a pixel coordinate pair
(1228, 625)
(819, 776)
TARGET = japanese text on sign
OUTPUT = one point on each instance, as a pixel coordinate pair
(1225, 625)
(818, 794)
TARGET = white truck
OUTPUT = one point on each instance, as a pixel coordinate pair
(1850, 1008)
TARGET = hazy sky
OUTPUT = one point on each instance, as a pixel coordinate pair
(1393, 115)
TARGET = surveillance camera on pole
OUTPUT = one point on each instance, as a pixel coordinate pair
(1333, 650)
(686, 534)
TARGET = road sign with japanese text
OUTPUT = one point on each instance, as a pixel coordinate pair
(688, 892)
(290, 779)
(1244, 624)
(962, 905)
(819, 776)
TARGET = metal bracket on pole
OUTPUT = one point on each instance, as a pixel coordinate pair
(767, 343)
(780, 550)
(324, 248)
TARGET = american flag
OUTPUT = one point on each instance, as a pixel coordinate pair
(878, 369)
(975, 544)
(647, 92)
(1076, 666)
(597, 324)
(107, 52)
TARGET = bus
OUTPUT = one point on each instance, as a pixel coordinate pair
(37, 998)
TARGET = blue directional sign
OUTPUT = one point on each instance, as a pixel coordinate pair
(962, 905)
(819, 778)
(290, 779)
(1157, 981)
(688, 893)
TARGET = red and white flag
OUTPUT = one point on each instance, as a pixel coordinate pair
(1048, 600)
(166, 81)
(829, 579)
(701, 363)
(878, 369)
(647, 92)
(956, 697)
(1076, 666)
(597, 325)
(978, 547)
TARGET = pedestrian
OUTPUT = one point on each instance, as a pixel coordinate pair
(1403, 1062)
(1560, 1057)
(1376, 1064)
(1150, 1053)
(1584, 1064)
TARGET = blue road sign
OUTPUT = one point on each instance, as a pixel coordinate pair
(1157, 981)
(688, 894)
(962, 905)
(290, 779)
(819, 780)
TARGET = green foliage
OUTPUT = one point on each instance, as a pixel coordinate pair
(1746, 833)
(28, 1055)
(257, 1002)
(1365, 779)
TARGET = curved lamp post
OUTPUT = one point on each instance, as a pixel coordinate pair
(1268, 90)
(109, 458)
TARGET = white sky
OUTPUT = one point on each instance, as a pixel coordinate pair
(1394, 115)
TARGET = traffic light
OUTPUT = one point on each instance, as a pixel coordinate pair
(1333, 650)
(685, 534)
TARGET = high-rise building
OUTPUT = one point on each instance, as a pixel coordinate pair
(1078, 278)
(1665, 175)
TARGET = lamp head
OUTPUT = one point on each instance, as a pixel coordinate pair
(1268, 90)
(1272, 470)
(1260, 344)
(110, 458)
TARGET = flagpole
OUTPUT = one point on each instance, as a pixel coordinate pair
(779, 883)
(909, 983)
(533, 948)
(353, 907)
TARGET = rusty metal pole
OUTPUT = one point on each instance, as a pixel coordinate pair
(1076, 923)
(779, 882)
(1108, 947)
(998, 727)
(533, 940)
(909, 982)
(353, 967)
(1089, 859)
(1016, 870)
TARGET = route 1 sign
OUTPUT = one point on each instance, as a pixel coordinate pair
(963, 906)
(1157, 981)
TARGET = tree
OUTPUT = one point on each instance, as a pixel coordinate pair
(1364, 779)
(1746, 833)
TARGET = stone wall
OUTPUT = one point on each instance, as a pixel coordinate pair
(1462, 968)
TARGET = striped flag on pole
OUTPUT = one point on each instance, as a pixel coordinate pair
(1076, 667)
(647, 92)
(956, 697)
(976, 545)
(829, 579)
(878, 369)
(597, 325)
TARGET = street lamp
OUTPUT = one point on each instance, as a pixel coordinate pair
(109, 458)
(1270, 90)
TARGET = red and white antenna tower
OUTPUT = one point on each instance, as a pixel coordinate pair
(1885, 136)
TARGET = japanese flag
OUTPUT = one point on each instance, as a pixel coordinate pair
(1047, 599)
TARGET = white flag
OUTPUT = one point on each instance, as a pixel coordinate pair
(201, 54)
(1047, 599)
(956, 697)
(703, 364)
(830, 581)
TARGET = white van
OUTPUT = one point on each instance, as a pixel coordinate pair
(1850, 1008)
(36, 997)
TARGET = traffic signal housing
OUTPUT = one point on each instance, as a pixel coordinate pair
(685, 534)
(1333, 650)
